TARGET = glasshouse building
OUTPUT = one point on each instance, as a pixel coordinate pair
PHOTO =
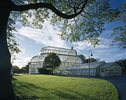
(72, 64)
(68, 58)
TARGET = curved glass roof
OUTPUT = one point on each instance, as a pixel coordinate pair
(65, 55)
(63, 58)
(58, 50)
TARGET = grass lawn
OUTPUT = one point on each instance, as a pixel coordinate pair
(47, 87)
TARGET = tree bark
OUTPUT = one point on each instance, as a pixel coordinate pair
(6, 88)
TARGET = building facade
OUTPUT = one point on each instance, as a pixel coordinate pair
(68, 58)
(72, 64)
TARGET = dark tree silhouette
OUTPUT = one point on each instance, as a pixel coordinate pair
(6, 6)
(122, 63)
(15, 69)
(25, 69)
(51, 62)
(83, 58)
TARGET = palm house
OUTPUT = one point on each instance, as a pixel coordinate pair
(72, 64)
(68, 58)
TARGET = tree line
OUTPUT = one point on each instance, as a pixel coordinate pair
(17, 70)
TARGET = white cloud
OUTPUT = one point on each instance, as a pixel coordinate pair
(47, 36)
(21, 58)
(21, 61)
(81, 45)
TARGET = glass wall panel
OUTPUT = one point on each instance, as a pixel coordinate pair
(68, 58)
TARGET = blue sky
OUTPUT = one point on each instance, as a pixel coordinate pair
(32, 40)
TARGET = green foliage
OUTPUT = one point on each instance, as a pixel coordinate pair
(25, 69)
(12, 44)
(93, 60)
(16, 69)
(83, 58)
(89, 24)
(51, 62)
(121, 30)
(34, 18)
(121, 36)
(47, 87)
(86, 26)
(44, 71)
(90, 60)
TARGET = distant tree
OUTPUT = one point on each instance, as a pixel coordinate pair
(25, 69)
(122, 63)
(51, 62)
(91, 60)
(44, 71)
(83, 58)
(16, 69)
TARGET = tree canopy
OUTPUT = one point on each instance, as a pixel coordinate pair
(91, 16)
(51, 62)
(83, 58)
(12, 43)
(121, 30)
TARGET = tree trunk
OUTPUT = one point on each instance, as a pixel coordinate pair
(6, 88)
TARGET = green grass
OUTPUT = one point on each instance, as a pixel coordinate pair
(47, 87)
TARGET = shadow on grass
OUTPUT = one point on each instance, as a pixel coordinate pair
(15, 74)
(29, 91)
(73, 95)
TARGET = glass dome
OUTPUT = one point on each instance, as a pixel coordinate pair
(68, 57)
(57, 50)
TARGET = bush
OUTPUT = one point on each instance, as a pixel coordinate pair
(44, 71)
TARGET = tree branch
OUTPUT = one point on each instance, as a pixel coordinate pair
(48, 6)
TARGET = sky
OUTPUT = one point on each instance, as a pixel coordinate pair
(32, 40)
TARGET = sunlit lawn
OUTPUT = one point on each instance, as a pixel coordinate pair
(47, 87)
